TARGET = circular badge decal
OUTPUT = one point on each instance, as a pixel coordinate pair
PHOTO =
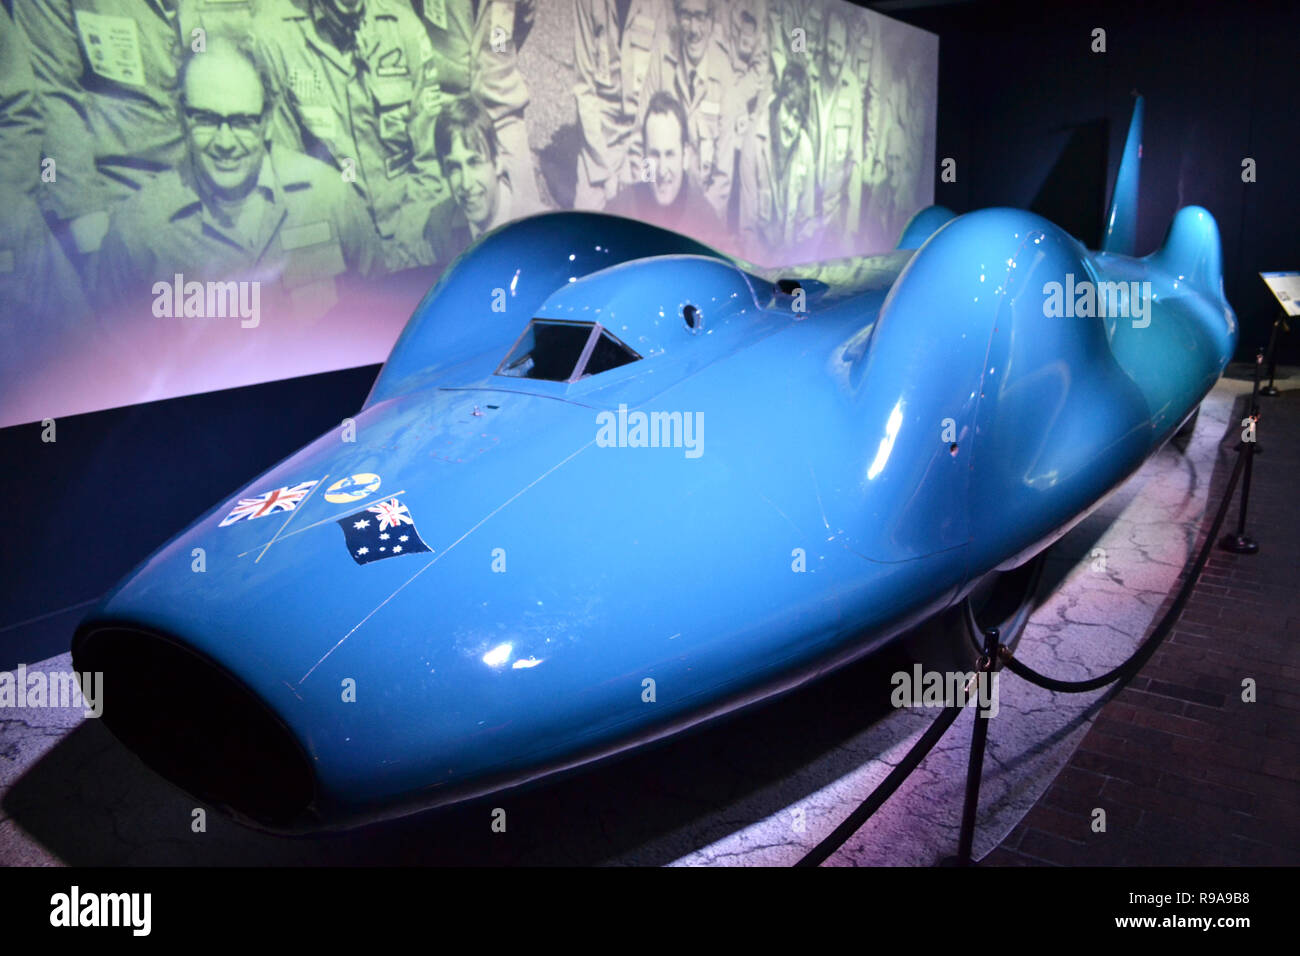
(350, 489)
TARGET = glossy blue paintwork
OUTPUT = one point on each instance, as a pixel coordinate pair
(923, 225)
(919, 425)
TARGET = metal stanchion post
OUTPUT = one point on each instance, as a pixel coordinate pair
(1254, 391)
(1240, 542)
(975, 768)
(1270, 389)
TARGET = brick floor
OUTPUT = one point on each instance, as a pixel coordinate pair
(1187, 772)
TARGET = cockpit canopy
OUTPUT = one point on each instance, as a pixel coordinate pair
(559, 350)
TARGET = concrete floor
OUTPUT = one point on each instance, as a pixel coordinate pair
(1190, 768)
(758, 789)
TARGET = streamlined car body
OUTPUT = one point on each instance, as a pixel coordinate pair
(611, 483)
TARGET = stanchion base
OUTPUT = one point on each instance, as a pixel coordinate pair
(1269, 390)
(1238, 544)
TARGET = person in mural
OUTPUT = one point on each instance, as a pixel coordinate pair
(39, 291)
(837, 109)
(920, 125)
(613, 44)
(20, 118)
(42, 305)
(780, 23)
(778, 200)
(475, 46)
(811, 18)
(868, 66)
(669, 195)
(897, 180)
(236, 209)
(693, 66)
(746, 44)
(344, 75)
(105, 79)
(888, 209)
(862, 48)
(482, 193)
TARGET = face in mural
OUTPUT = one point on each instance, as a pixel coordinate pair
(835, 48)
(788, 124)
(814, 15)
(896, 160)
(898, 92)
(225, 123)
(875, 107)
(776, 27)
(866, 48)
(695, 21)
(664, 150)
(474, 179)
(744, 32)
(341, 18)
(347, 8)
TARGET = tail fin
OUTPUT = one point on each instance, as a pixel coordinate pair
(1191, 251)
(1121, 221)
(923, 225)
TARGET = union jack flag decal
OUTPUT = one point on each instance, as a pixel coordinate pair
(391, 513)
(281, 499)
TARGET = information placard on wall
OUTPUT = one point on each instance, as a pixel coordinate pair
(1286, 287)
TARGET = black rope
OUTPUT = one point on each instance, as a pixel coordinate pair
(1148, 647)
(822, 851)
(855, 821)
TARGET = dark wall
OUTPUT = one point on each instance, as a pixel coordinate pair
(114, 485)
(1028, 110)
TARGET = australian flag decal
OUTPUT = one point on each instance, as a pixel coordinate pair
(385, 530)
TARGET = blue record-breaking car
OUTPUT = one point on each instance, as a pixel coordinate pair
(611, 483)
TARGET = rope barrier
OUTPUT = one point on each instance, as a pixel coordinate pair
(1004, 657)
(885, 789)
(1148, 647)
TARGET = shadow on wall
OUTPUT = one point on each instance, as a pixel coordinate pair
(1073, 193)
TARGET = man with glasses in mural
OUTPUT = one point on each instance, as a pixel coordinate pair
(778, 199)
(236, 209)
(613, 44)
(837, 109)
(105, 74)
(344, 73)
